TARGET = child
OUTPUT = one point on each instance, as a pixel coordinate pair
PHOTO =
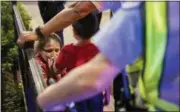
(47, 51)
(76, 54)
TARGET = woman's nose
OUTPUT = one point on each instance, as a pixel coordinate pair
(54, 54)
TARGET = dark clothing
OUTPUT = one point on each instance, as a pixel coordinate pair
(48, 9)
(94, 104)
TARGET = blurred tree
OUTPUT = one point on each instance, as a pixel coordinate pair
(8, 44)
(12, 97)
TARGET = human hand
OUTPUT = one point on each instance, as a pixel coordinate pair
(51, 63)
(51, 72)
(26, 36)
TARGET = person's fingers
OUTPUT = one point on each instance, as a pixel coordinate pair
(52, 58)
(49, 63)
(25, 37)
(22, 38)
(20, 42)
(53, 61)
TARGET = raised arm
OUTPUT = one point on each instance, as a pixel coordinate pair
(61, 20)
(68, 16)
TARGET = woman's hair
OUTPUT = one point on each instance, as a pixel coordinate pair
(87, 26)
(41, 43)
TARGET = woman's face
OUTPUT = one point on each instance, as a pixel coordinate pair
(51, 50)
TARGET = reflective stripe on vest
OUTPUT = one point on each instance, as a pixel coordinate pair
(155, 48)
(134, 71)
(137, 66)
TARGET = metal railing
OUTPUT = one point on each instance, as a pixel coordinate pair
(31, 72)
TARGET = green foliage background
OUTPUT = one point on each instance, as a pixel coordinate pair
(11, 94)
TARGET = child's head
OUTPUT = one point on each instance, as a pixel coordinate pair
(49, 47)
(86, 27)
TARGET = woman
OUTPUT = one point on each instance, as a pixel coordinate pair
(47, 50)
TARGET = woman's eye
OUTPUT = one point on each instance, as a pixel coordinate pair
(51, 50)
(56, 50)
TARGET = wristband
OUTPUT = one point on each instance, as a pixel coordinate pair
(39, 33)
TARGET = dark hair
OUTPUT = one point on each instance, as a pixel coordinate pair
(43, 41)
(87, 26)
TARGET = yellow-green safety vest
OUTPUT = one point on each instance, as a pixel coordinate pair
(151, 67)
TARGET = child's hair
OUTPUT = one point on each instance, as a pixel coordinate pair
(87, 26)
(42, 43)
